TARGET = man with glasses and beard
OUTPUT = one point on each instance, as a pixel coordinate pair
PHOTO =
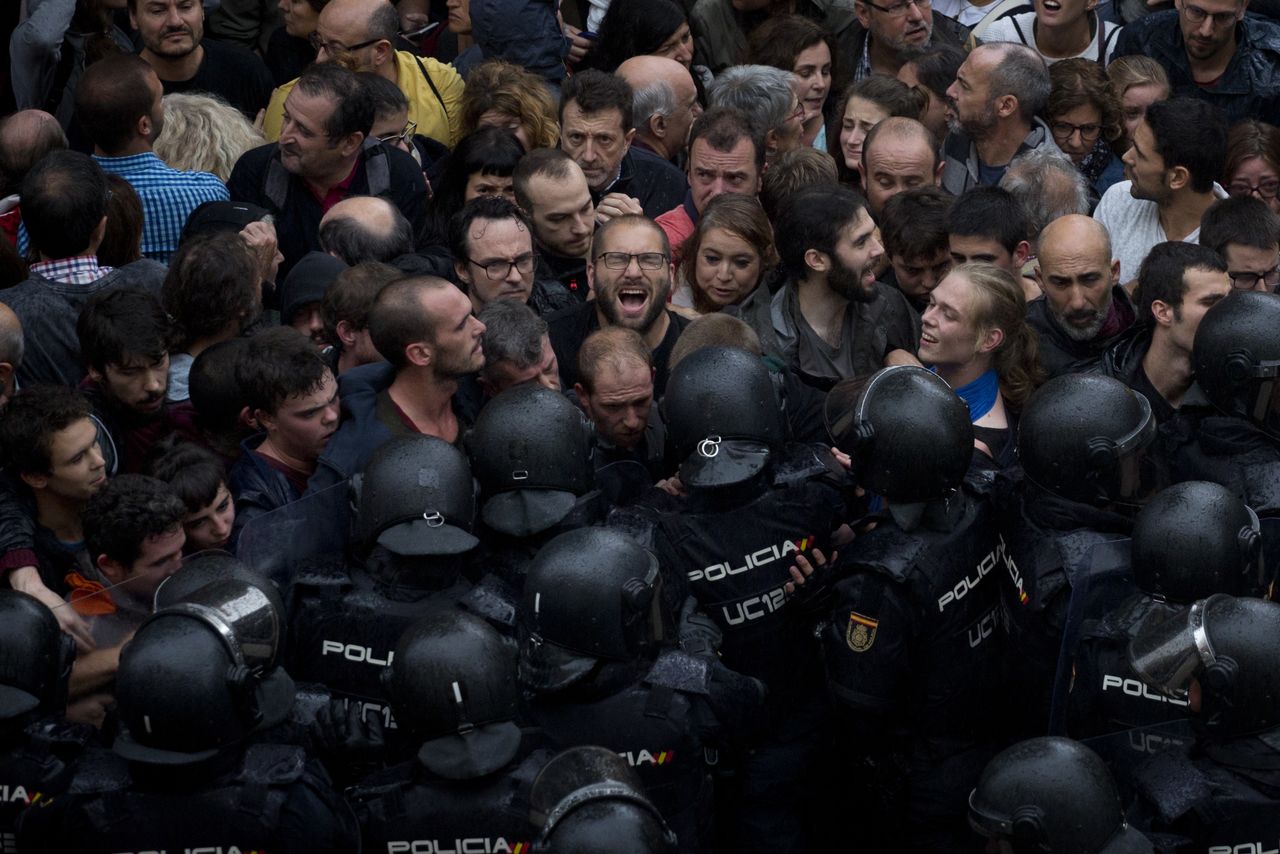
(1083, 309)
(832, 319)
(630, 273)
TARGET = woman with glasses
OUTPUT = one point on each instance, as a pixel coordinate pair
(727, 257)
(1057, 30)
(1083, 115)
(797, 44)
(862, 106)
(1253, 162)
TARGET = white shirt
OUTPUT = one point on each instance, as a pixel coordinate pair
(962, 10)
(1134, 226)
(1020, 29)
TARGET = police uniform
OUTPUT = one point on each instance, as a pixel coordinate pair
(37, 768)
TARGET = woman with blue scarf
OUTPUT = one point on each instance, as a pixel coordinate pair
(975, 336)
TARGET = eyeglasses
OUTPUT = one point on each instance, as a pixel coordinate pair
(335, 48)
(1266, 189)
(897, 10)
(403, 136)
(1247, 280)
(1196, 15)
(499, 270)
(1064, 130)
(622, 260)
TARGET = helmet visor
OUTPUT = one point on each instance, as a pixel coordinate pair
(644, 622)
(1169, 654)
(843, 412)
(1264, 397)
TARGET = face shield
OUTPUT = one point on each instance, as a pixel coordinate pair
(1168, 655)
(644, 621)
(1137, 473)
(1263, 400)
(845, 412)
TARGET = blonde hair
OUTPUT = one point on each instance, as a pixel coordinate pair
(204, 133)
(1126, 72)
(998, 303)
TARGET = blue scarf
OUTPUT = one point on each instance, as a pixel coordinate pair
(980, 394)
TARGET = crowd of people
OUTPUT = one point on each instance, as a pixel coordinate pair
(630, 426)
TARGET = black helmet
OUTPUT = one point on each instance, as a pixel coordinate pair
(1052, 796)
(588, 801)
(417, 497)
(908, 433)
(1195, 539)
(722, 416)
(37, 657)
(452, 683)
(531, 451)
(206, 567)
(590, 594)
(1084, 437)
(1236, 358)
(1229, 646)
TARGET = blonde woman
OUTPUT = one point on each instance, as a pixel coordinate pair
(204, 133)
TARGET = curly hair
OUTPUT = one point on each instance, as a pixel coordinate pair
(204, 133)
(30, 421)
(213, 282)
(1077, 82)
(121, 516)
(495, 85)
(998, 303)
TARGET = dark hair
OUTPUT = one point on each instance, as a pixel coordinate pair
(813, 219)
(512, 333)
(353, 241)
(352, 103)
(794, 169)
(1079, 81)
(111, 97)
(1239, 219)
(632, 28)
(889, 93)
(487, 151)
(485, 207)
(913, 223)
(17, 156)
(780, 40)
(31, 418)
(725, 127)
(215, 391)
(936, 66)
(1190, 133)
(631, 219)
(383, 23)
(278, 364)
(192, 472)
(13, 267)
(1248, 139)
(213, 282)
(1161, 276)
(120, 517)
(351, 295)
(596, 92)
(122, 241)
(64, 197)
(989, 212)
(550, 162)
(397, 318)
(385, 95)
(121, 323)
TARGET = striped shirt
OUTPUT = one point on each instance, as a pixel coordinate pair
(168, 198)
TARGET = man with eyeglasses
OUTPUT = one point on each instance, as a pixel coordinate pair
(1216, 51)
(173, 43)
(630, 271)
(1246, 234)
(1179, 282)
(493, 257)
(1178, 149)
(885, 28)
(361, 35)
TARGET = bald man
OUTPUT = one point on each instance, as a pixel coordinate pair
(361, 35)
(665, 104)
(365, 228)
(898, 154)
(25, 138)
(1082, 309)
(11, 349)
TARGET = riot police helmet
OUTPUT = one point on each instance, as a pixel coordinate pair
(452, 683)
(907, 432)
(206, 567)
(1236, 358)
(1195, 539)
(1086, 438)
(588, 801)
(531, 450)
(1219, 655)
(1052, 795)
(723, 417)
(416, 498)
(591, 595)
(37, 657)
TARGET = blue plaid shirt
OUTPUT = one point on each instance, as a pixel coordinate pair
(168, 198)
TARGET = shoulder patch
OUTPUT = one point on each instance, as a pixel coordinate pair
(860, 634)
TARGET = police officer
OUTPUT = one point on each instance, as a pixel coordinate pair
(911, 641)
(38, 749)
(1083, 446)
(183, 775)
(453, 687)
(596, 661)
(731, 544)
(1220, 655)
(413, 540)
(588, 801)
(531, 451)
(1193, 540)
(1052, 796)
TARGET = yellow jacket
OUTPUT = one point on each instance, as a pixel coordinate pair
(424, 106)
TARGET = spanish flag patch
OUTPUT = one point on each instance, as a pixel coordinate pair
(860, 634)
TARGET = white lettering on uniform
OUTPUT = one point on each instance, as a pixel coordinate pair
(760, 557)
(1137, 688)
(755, 607)
(355, 652)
